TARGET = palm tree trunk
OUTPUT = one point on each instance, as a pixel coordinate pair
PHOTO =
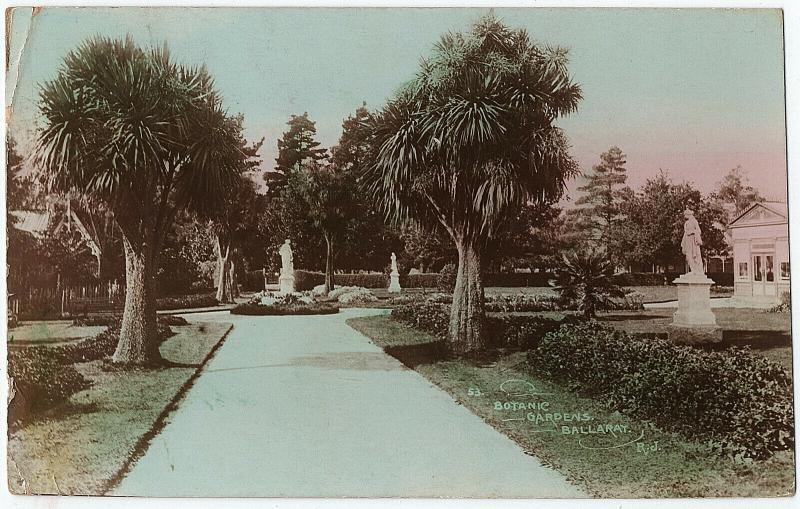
(329, 265)
(466, 314)
(223, 272)
(138, 338)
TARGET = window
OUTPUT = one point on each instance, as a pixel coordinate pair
(742, 269)
(784, 270)
(768, 265)
(757, 269)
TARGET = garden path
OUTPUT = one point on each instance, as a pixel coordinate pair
(307, 406)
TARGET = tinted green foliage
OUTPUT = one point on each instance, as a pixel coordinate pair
(739, 401)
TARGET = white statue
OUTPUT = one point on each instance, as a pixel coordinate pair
(394, 277)
(690, 245)
(286, 279)
(287, 260)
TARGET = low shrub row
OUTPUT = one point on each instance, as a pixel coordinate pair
(315, 308)
(506, 331)
(201, 300)
(107, 320)
(306, 280)
(736, 400)
(45, 376)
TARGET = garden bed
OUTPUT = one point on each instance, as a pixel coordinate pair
(665, 465)
(80, 447)
(315, 308)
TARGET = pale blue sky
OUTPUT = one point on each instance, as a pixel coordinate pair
(692, 91)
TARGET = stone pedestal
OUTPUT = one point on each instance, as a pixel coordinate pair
(394, 282)
(694, 322)
(286, 283)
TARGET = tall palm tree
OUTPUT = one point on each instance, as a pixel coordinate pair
(146, 137)
(468, 141)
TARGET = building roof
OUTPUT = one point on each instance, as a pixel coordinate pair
(31, 221)
(777, 208)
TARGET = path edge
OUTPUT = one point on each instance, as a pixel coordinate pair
(143, 444)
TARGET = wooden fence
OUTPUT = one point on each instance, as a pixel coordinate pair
(57, 300)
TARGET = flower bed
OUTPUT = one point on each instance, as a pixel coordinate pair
(273, 304)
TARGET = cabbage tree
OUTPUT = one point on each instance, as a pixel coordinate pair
(146, 137)
(468, 141)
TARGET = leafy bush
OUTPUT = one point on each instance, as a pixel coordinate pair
(40, 381)
(362, 280)
(187, 301)
(315, 308)
(735, 399)
(447, 278)
(351, 294)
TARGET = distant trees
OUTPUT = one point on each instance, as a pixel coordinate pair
(297, 145)
(736, 193)
(146, 138)
(652, 230)
(470, 140)
(598, 209)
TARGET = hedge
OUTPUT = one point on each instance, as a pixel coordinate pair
(316, 308)
(187, 301)
(736, 400)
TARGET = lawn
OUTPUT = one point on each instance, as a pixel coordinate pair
(50, 331)
(80, 447)
(657, 465)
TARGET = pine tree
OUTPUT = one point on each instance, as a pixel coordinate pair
(297, 145)
(599, 208)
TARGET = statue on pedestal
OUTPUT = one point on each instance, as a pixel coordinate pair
(693, 321)
(286, 279)
(394, 277)
(691, 242)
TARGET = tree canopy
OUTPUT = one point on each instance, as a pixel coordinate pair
(468, 141)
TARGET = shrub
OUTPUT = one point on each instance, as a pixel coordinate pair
(316, 308)
(362, 280)
(785, 305)
(737, 400)
(187, 301)
(40, 381)
(447, 278)
(351, 294)
(426, 315)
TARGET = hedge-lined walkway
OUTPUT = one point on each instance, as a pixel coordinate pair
(306, 406)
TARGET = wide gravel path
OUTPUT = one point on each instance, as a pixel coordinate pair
(308, 407)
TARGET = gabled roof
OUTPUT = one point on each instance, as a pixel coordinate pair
(777, 208)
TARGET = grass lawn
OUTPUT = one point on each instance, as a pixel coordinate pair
(50, 331)
(766, 333)
(664, 465)
(80, 447)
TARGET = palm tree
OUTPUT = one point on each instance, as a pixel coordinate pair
(468, 141)
(131, 129)
(586, 278)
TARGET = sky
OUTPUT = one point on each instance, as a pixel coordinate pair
(691, 92)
